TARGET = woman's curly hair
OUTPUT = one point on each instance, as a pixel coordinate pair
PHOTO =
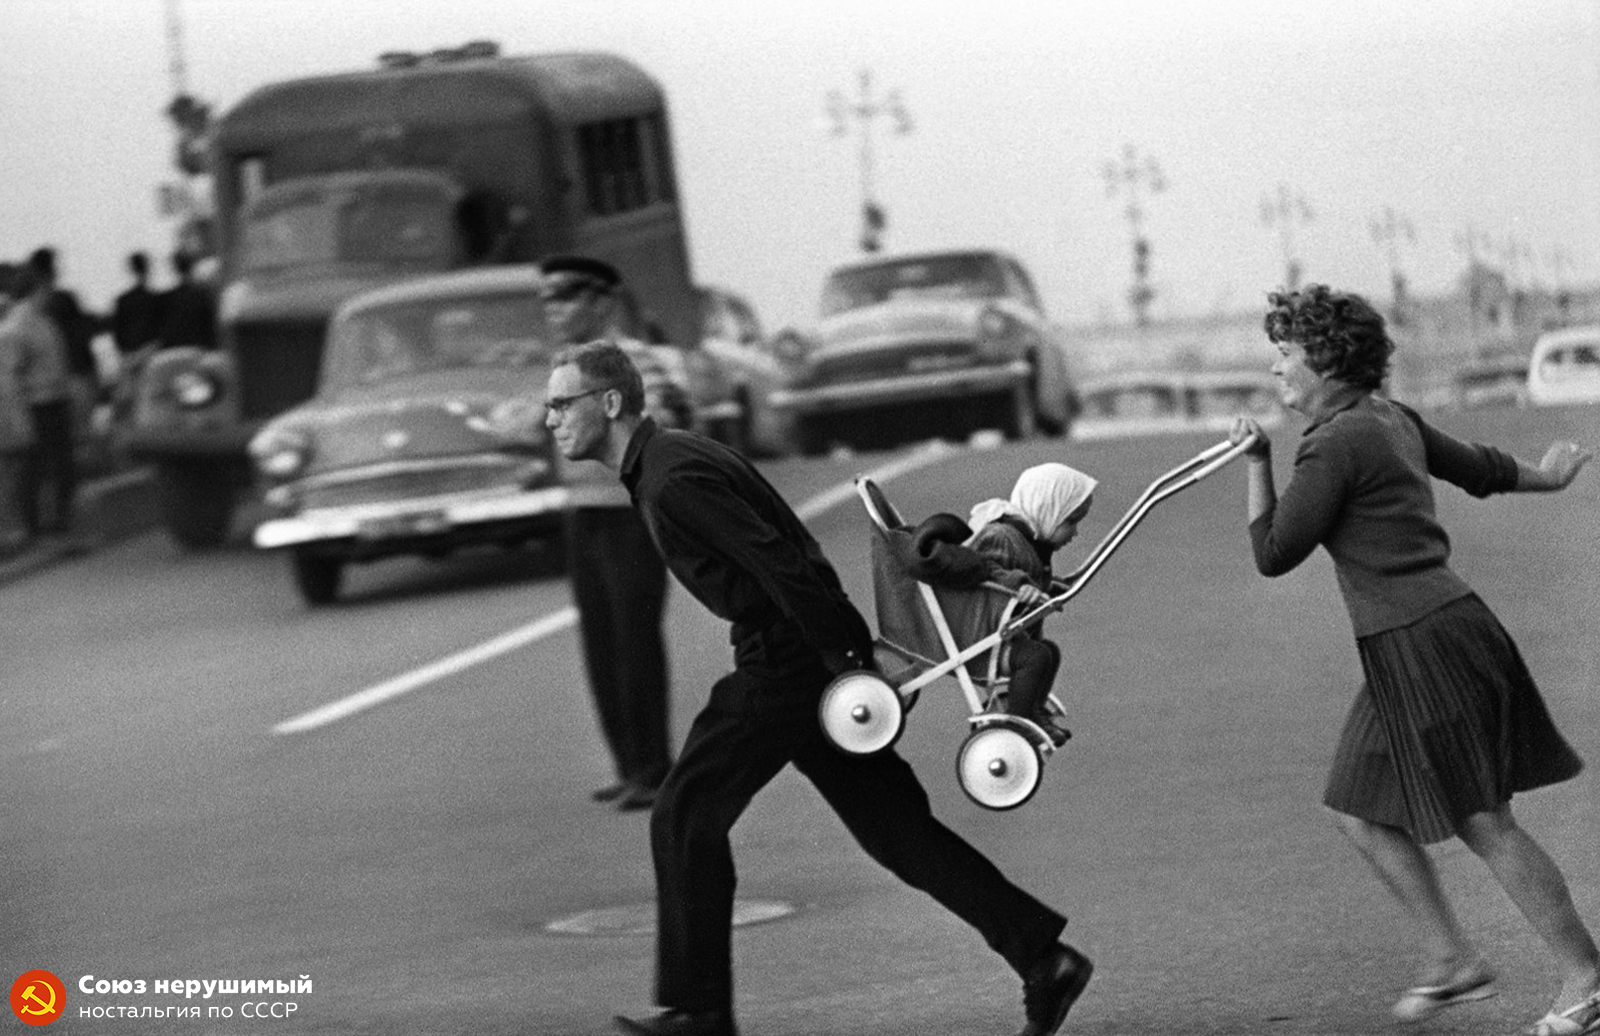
(1343, 335)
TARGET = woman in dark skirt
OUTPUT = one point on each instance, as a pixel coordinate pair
(1448, 724)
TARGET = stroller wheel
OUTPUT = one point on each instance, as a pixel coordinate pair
(861, 713)
(998, 767)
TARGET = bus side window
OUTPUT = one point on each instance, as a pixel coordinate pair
(624, 164)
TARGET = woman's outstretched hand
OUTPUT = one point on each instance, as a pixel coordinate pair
(1562, 462)
(1245, 427)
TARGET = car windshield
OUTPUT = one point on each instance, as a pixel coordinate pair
(1573, 361)
(945, 276)
(390, 223)
(394, 341)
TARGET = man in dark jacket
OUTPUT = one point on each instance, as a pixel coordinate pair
(618, 581)
(740, 549)
(188, 309)
(136, 316)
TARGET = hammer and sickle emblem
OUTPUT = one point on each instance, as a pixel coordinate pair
(44, 1008)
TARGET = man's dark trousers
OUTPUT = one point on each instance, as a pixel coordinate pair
(50, 462)
(620, 586)
(754, 724)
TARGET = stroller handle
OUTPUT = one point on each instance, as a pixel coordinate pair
(1202, 465)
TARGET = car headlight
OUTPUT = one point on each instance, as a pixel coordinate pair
(193, 389)
(281, 452)
(999, 333)
(518, 421)
(791, 348)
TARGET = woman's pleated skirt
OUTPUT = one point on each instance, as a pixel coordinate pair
(1448, 723)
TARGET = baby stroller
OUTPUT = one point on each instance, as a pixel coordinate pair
(925, 633)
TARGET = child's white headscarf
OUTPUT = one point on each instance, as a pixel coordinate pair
(1043, 498)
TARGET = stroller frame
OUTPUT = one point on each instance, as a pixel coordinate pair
(863, 712)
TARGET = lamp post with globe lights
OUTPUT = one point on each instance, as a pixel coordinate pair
(865, 112)
(1136, 176)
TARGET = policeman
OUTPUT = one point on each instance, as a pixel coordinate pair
(619, 583)
(740, 549)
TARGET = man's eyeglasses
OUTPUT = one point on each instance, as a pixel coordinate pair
(558, 404)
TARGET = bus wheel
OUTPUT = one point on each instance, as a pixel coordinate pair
(196, 502)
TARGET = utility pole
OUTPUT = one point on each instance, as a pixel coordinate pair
(1471, 243)
(1388, 232)
(1560, 261)
(191, 118)
(1136, 176)
(866, 111)
(1283, 210)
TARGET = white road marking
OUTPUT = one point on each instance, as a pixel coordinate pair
(557, 621)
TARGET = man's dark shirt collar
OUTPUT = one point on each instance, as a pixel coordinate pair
(629, 472)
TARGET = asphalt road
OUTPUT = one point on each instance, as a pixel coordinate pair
(160, 822)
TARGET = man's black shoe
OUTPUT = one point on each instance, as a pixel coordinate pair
(680, 1023)
(611, 792)
(1051, 987)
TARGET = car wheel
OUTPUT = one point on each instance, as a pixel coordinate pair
(1021, 418)
(736, 433)
(197, 503)
(810, 437)
(317, 577)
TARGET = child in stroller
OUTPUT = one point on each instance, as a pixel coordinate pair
(1011, 542)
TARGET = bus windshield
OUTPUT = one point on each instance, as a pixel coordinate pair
(391, 223)
(403, 339)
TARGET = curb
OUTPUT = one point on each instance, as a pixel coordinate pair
(111, 508)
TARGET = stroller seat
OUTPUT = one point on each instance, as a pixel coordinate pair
(923, 627)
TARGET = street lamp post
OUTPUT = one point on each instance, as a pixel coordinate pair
(191, 120)
(1136, 176)
(1388, 233)
(1471, 243)
(865, 112)
(1283, 210)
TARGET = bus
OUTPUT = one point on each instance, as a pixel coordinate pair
(330, 185)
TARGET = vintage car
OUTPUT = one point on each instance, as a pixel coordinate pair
(426, 433)
(1565, 367)
(1133, 403)
(913, 346)
(730, 343)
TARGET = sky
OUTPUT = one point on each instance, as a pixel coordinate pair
(1472, 121)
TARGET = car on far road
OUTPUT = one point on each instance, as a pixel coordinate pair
(1133, 403)
(905, 347)
(1565, 367)
(426, 432)
(1491, 382)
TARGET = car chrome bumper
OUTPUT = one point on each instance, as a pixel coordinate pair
(411, 518)
(907, 388)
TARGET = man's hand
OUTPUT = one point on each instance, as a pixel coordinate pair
(838, 662)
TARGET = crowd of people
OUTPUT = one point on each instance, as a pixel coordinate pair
(52, 381)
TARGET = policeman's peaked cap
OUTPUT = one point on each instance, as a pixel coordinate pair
(581, 267)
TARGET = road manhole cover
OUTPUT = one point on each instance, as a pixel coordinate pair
(640, 918)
